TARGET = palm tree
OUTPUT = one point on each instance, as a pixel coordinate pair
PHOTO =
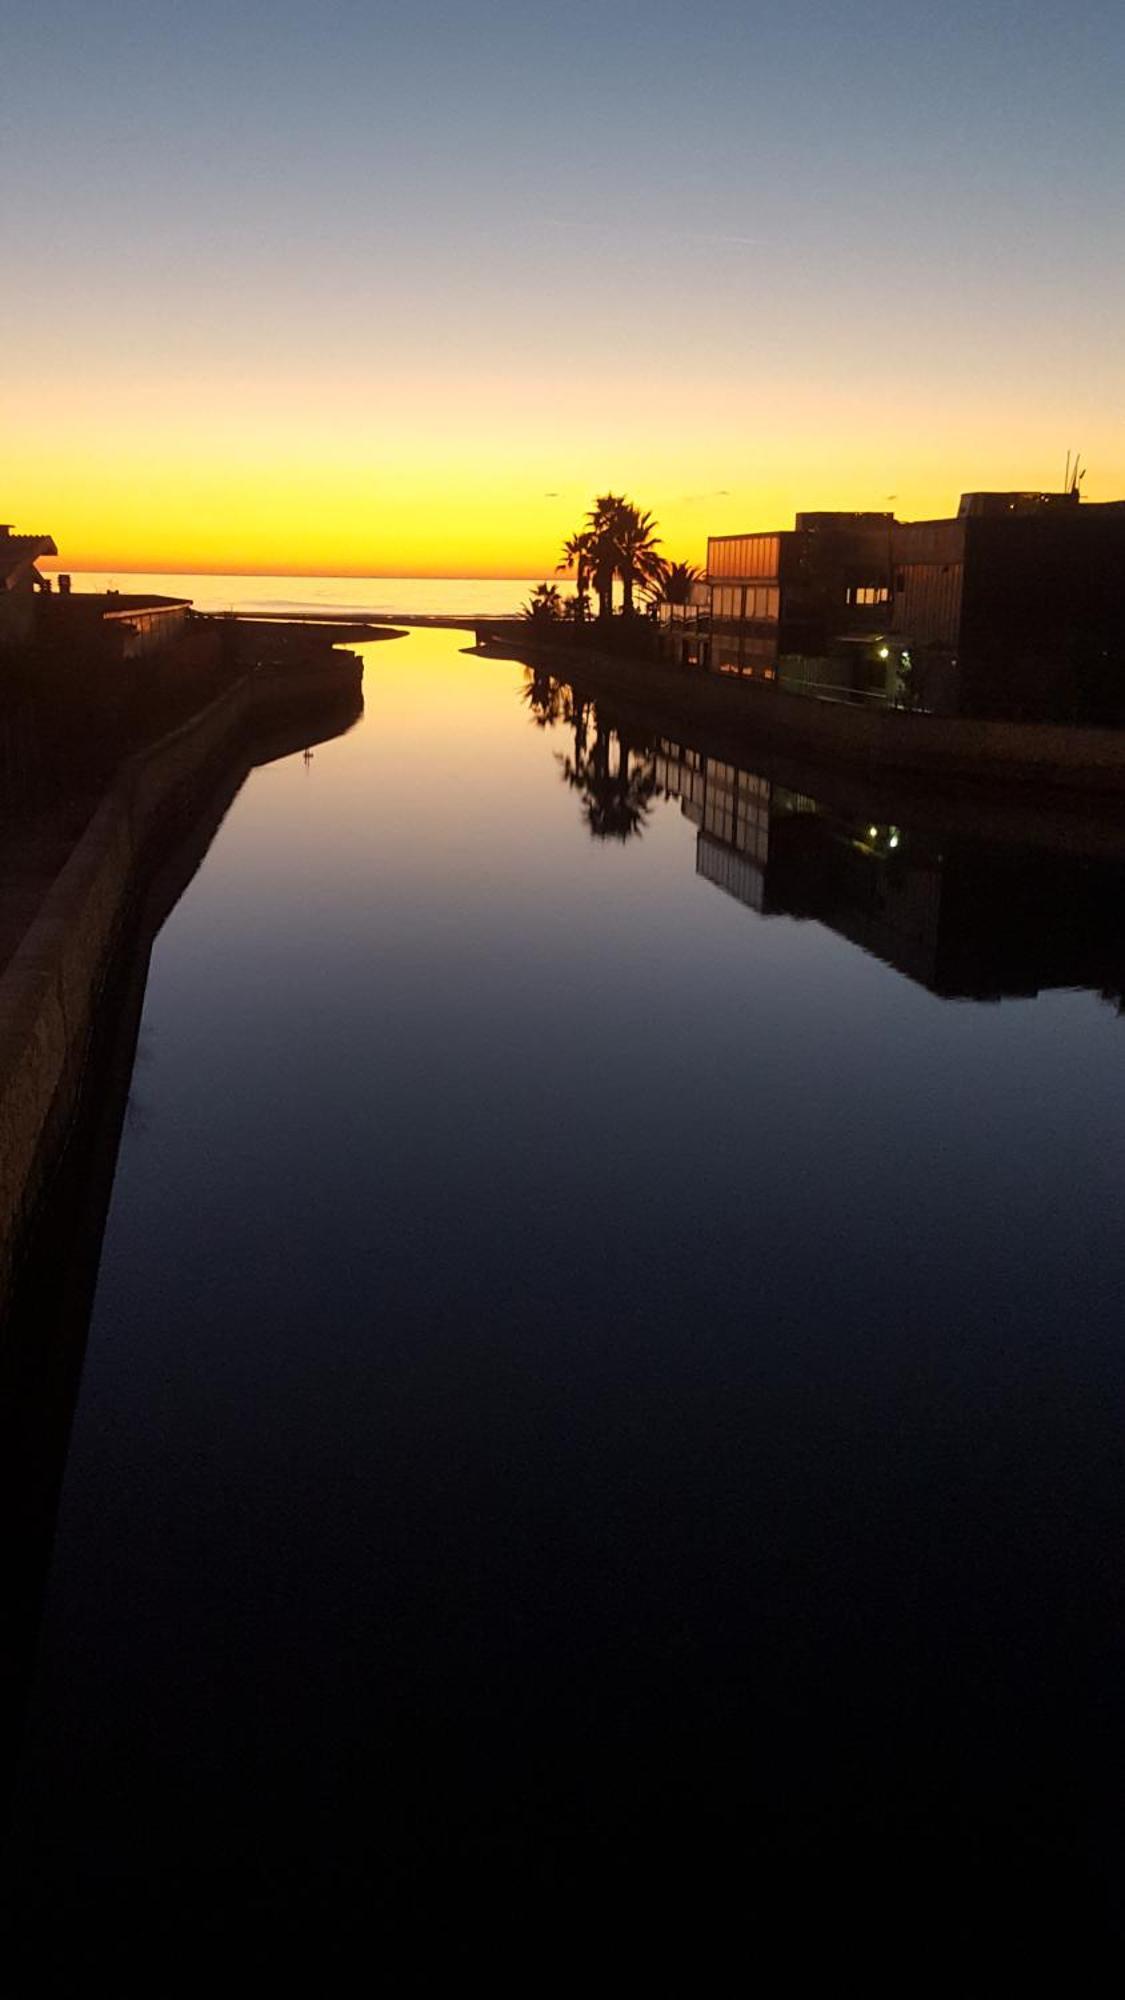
(544, 606)
(677, 583)
(617, 540)
(602, 531)
(639, 561)
(577, 555)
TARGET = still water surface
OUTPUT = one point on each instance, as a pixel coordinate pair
(600, 1375)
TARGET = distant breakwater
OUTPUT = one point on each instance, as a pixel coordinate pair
(51, 987)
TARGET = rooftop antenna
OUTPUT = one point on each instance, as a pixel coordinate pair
(1066, 475)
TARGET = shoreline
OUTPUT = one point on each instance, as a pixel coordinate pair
(1048, 760)
(52, 985)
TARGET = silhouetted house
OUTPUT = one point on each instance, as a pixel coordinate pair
(111, 625)
(1014, 608)
(19, 581)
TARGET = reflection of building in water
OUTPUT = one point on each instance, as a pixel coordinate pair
(965, 919)
(732, 805)
(731, 808)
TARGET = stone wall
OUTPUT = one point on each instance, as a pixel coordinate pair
(49, 990)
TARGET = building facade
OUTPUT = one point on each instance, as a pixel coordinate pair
(781, 602)
(1013, 608)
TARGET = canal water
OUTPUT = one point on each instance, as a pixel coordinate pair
(604, 1384)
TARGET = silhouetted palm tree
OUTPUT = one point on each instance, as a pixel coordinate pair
(677, 583)
(544, 607)
(578, 552)
(639, 562)
(618, 540)
(602, 532)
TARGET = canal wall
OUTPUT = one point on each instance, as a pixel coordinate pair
(50, 988)
(1035, 755)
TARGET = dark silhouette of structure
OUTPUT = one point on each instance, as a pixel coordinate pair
(112, 624)
(1013, 609)
(19, 582)
(1016, 607)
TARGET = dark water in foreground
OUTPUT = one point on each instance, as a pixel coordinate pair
(604, 1388)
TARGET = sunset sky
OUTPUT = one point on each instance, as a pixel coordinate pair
(394, 288)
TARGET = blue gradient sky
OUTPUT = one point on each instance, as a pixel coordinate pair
(406, 283)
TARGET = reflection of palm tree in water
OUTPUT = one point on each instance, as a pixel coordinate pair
(577, 717)
(543, 695)
(616, 790)
(616, 785)
(552, 702)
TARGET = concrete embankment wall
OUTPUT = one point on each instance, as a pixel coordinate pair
(49, 990)
(1051, 756)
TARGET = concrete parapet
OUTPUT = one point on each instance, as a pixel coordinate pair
(49, 990)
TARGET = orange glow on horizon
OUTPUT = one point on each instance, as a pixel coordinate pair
(485, 478)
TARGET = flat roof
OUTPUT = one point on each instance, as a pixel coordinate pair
(115, 603)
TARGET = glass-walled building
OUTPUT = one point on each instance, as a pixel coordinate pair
(744, 573)
(781, 602)
(1013, 608)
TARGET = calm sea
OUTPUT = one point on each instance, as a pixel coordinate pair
(378, 596)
